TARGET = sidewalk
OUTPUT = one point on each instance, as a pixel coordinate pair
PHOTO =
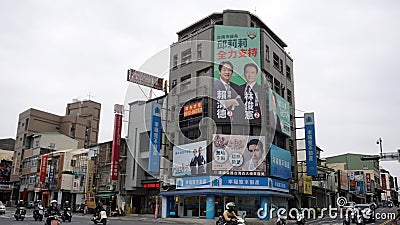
(183, 220)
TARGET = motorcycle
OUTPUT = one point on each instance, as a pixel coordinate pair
(100, 218)
(300, 219)
(20, 213)
(359, 220)
(281, 220)
(221, 221)
(38, 213)
(346, 220)
(67, 215)
(54, 220)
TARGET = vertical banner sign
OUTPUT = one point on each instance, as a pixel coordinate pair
(352, 181)
(383, 181)
(90, 175)
(311, 149)
(155, 138)
(279, 111)
(307, 185)
(368, 180)
(237, 58)
(43, 167)
(116, 147)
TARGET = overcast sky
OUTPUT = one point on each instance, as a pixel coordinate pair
(346, 57)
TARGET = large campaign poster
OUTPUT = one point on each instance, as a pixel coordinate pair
(279, 113)
(190, 159)
(237, 75)
(239, 155)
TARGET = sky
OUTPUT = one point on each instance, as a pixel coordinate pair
(345, 55)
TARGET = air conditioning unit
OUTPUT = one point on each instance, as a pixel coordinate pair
(110, 187)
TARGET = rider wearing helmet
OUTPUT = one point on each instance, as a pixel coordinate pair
(20, 203)
(229, 214)
(51, 211)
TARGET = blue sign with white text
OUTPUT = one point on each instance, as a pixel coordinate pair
(311, 148)
(155, 139)
(280, 162)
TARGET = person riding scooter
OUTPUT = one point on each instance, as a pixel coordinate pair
(229, 214)
(52, 212)
(67, 215)
(38, 211)
(20, 212)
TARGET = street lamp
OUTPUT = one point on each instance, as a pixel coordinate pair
(379, 142)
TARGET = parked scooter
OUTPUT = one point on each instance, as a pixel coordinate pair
(20, 213)
(101, 217)
(67, 215)
(38, 213)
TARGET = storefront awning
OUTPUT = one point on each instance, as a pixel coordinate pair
(226, 192)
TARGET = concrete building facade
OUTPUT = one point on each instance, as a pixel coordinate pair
(192, 74)
(81, 122)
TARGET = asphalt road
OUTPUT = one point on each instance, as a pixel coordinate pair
(8, 219)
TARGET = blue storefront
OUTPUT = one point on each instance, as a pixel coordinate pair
(206, 196)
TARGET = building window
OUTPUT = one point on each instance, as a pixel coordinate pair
(267, 53)
(199, 51)
(26, 124)
(277, 86)
(276, 60)
(289, 96)
(186, 56)
(175, 61)
(72, 130)
(186, 77)
(280, 65)
(174, 83)
(288, 73)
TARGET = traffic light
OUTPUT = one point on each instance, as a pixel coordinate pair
(112, 197)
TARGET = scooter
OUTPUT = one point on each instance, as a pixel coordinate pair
(300, 219)
(100, 218)
(38, 213)
(67, 215)
(281, 220)
(54, 220)
(20, 213)
(221, 221)
(346, 220)
(359, 220)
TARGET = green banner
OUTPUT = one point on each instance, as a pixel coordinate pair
(237, 75)
(279, 113)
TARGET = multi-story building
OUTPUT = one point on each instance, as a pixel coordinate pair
(38, 145)
(363, 176)
(233, 68)
(81, 122)
(106, 190)
(5, 173)
(388, 184)
(143, 182)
